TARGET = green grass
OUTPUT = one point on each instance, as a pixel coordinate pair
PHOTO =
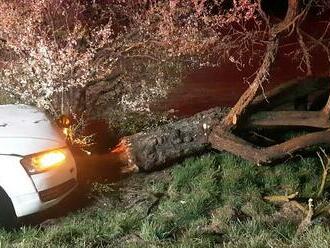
(211, 201)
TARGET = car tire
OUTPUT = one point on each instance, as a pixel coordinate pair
(8, 219)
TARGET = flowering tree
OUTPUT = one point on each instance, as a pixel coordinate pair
(48, 56)
(65, 56)
(208, 33)
(193, 31)
(74, 55)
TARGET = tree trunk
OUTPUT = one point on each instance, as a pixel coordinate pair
(172, 142)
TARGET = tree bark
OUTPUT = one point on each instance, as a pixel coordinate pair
(170, 143)
(226, 141)
(278, 119)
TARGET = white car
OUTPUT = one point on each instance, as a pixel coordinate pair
(37, 169)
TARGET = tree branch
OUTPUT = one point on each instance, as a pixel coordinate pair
(326, 109)
(230, 121)
(288, 92)
(224, 140)
(276, 119)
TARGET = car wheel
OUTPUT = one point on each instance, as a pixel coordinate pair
(8, 218)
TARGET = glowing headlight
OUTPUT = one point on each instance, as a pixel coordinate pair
(40, 162)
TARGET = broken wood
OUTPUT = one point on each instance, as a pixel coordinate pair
(231, 120)
(170, 143)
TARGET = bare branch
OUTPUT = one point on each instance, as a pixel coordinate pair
(326, 109)
(326, 166)
(306, 55)
(248, 96)
(224, 140)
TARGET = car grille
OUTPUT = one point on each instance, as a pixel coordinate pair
(57, 191)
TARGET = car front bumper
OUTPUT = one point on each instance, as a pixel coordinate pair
(38, 201)
(34, 193)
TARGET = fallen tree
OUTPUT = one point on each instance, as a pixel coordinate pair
(226, 130)
(255, 110)
(173, 142)
(167, 144)
(231, 32)
(222, 136)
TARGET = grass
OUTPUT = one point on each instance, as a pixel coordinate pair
(211, 201)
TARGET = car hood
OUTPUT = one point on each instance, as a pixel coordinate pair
(25, 129)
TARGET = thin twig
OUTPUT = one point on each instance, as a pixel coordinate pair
(325, 167)
(306, 55)
(307, 221)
